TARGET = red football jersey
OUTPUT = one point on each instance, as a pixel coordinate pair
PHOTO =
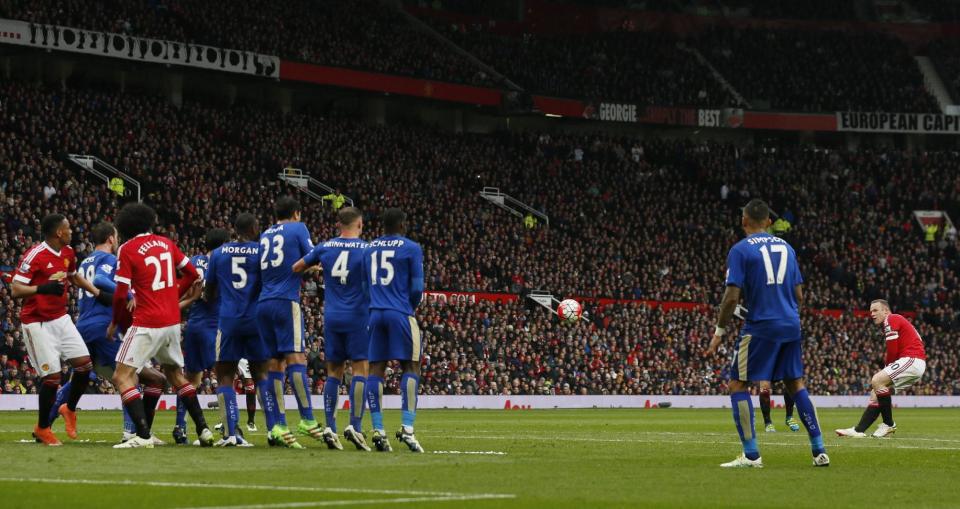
(902, 339)
(148, 263)
(42, 264)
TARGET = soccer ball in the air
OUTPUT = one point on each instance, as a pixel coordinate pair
(569, 311)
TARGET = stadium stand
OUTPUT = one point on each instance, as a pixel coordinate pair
(630, 218)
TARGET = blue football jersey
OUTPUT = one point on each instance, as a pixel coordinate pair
(235, 272)
(393, 266)
(344, 297)
(202, 311)
(765, 268)
(97, 264)
(281, 246)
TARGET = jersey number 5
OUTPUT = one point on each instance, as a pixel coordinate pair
(781, 268)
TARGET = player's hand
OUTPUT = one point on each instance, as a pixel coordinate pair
(312, 270)
(714, 345)
(111, 331)
(131, 305)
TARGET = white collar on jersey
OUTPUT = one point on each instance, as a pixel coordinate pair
(48, 248)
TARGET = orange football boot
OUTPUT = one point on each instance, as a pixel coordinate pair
(69, 421)
(46, 436)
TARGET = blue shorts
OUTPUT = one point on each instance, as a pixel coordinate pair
(281, 326)
(103, 351)
(199, 347)
(344, 340)
(394, 336)
(756, 359)
(240, 339)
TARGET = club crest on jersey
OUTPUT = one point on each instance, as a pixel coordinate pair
(44, 367)
(66, 263)
(25, 267)
(58, 276)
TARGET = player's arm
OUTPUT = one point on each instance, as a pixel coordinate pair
(892, 338)
(105, 298)
(310, 260)
(731, 296)
(798, 293)
(416, 277)
(21, 287)
(212, 279)
(189, 272)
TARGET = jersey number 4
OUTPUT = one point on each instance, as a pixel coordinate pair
(768, 265)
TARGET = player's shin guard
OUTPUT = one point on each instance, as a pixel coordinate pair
(765, 405)
(297, 374)
(251, 392)
(229, 413)
(885, 400)
(151, 396)
(358, 386)
(409, 388)
(78, 385)
(181, 415)
(869, 416)
(269, 402)
(788, 405)
(47, 396)
(276, 380)
(374, 396)
(133, 402)
(808, 414)
(188, 394)
(331, 390)
(743, 418)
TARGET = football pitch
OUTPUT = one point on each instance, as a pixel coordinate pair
(497, 458)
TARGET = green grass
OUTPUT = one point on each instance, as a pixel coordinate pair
(553, 458)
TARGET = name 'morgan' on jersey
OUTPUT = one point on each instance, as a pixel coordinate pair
(281, 246)
(765, 268)
(235, 270)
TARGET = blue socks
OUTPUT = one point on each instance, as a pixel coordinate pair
(743, 417)
(268, 400)
(358, 387)
(409, 388)
(374, 395)
(62, 393)
(128, 425)
(181, 415)
(297, 374)
(808, 415)
(228, 410)
(331, 391)
(276, 388)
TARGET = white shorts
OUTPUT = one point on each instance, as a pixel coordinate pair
(48, 343)
(905, 371)
(243, 368)
(140, 344)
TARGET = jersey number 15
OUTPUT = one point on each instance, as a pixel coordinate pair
(385, 264)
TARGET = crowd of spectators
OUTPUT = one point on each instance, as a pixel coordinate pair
(362, 34)
(633, 218)
(939, 11)
(945, 54)
(818, 71)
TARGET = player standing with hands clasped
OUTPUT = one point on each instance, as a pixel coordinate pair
(764, 268)
(906, 361)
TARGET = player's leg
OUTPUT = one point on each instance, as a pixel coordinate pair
(74, 349)
(45, 359)
(882, 385)
(870, 415)
(170, 357)
(788, 405)
(750, 359)
(358, 349)
(378, 356)
(249, 391)
(405, 335)
(764, 391)
(194, 364)
(789, 368)
(153, 383)
(227, 398)
(269, 372)
(296, 371)
(104, 350)
(335, 352)
(331, 396)
(135, 352)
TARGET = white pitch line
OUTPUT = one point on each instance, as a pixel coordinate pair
(332, 503)
(475, 453)
(164, 484)
(849, 443)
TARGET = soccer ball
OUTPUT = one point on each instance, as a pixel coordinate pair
(569, 311)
